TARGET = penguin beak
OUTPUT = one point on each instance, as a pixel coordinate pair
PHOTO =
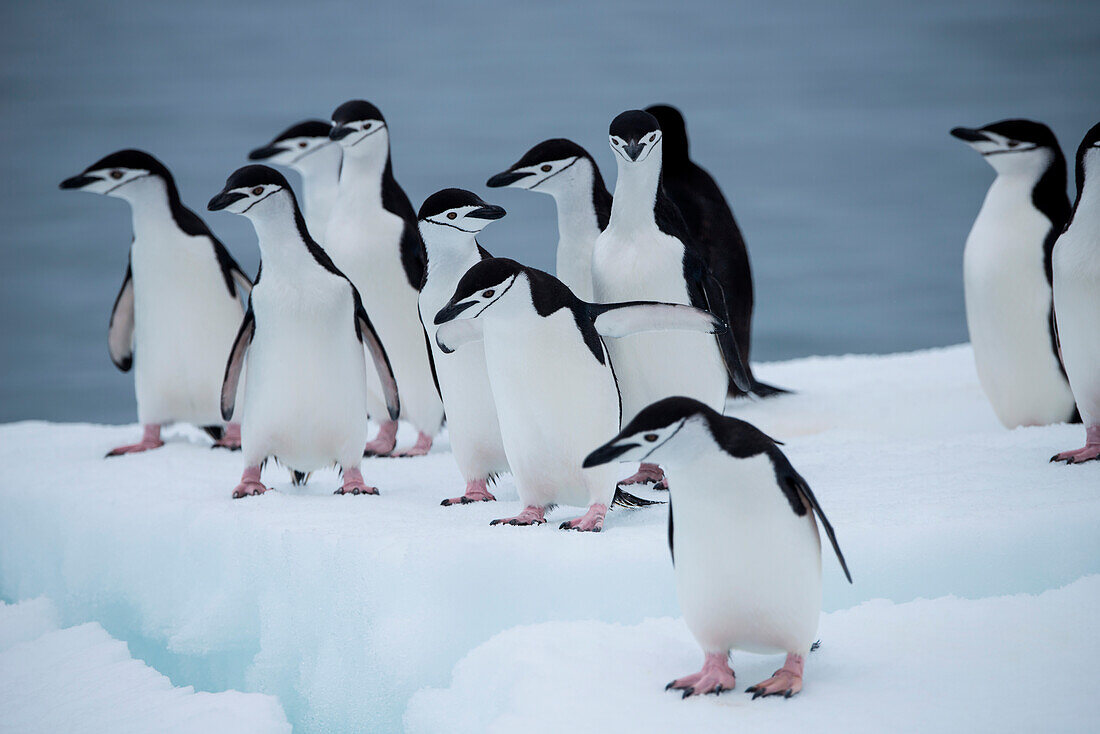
(223, 200)
(969, 135)
(489, 211)
(339, 132)
(634, 149)
(607, 453)
(507, 178)
(451, 310)
(261, 154)
(78, 182)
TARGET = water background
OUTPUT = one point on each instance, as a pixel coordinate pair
(825, 123)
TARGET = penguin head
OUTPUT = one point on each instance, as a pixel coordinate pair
(483, 285)
(124, 174)
(360, 128)
(1012, 145)
(668, 431)
(550, 167)
(634, 136)
(456, 212)
(295, 144)
(673, 132)
(252, 191)
(1088, 157)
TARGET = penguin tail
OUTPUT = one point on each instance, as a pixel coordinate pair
(214, 432)
(626, 499)
(299, 478)
(764, 390)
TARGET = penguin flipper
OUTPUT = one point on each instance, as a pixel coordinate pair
(235, 364)
(244, 283)
(623, 319)
(795, 483)
(716, 303)
(369, 337)
(453, 334)
(120, 333)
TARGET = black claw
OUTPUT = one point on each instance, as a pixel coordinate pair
(815, 646)
(789, 693)
(564, 526)
(687, 692)
(758, 694)
(669, 686)
(445, 503)
(495, 522)
(750, 689)
(717, 689)
(465, 500)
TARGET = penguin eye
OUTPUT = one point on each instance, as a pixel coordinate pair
(652, 136)
(546, 167)
(651, 437)
(257, 190)
(488, 294)
(367, 125)
(452, 215)
(1012, 143)
(116, 174)
(302, 144)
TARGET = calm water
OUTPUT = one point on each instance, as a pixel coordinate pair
(825, 123)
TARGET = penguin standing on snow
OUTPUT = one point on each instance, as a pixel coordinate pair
(304, 334)
(373, 237)
(1077, 297)
(449, 223)
(647, 253)
(546, 357)
(178, 310)
(1007, 273)
(745, 544)
(566, 171)
(308, 149)
(710, 221)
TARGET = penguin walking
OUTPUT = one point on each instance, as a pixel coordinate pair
(1077, 297)
(304, 334)
(545, 357)
(745, 544)
(307, 148)
(714, 230)
(372, 236)
(647, 253)
(179, 307)
(1007, 273)
(449, 223)
(566, 171)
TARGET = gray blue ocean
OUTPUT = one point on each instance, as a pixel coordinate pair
(825, 123)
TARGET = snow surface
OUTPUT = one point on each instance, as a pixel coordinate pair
(940, 665)
(81, 680)
(344, 607)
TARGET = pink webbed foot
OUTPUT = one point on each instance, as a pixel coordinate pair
(1090, 451)
(477, 490)
(591, 521)
(150, 439)
(420, 448)
(250, 484)
(647, 474)
(231, 439)
(715, 677)
(383, 443)
(530, 516)
(354, 484)
(786, 681)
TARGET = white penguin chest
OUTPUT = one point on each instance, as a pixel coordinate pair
(644, 264)
(1077, 305)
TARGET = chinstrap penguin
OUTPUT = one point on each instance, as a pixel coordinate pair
(307, 148)
(449, 223)
(304, 335)
(566, 171)
(372, 236)
(179, 306)
(714, 230)
(552, 380)
(1077, 297)
(745, 544)
(647, 253)
(1007, 273)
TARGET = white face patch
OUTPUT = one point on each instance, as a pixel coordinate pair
(543, 173)
(648, 142)
(251, 196)
(114, 179)
(1000, 145)
(295, 149)
(363, 130)
(484, 298)
(456, 219)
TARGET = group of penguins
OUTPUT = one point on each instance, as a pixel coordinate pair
(364, 307)
(1031, 273)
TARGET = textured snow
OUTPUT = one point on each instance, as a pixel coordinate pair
(344, 607)
(1011, 663)
(80, 679)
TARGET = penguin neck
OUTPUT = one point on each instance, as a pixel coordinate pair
(153, 202)
(448, 249)
(320, 170)
(583, 207)
(1086, 210)
(365, 175)
(636, 192)
(281, 232)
